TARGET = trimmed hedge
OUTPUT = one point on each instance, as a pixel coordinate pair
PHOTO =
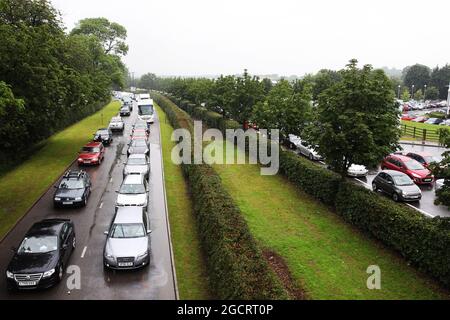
(237, 269)
(420, 240)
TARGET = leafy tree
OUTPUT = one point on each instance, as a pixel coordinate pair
(249, 91)
(357, 119)
(406, 95)
(223, 95)
(284, 109)
(432, 93)
(418, 95)
(148, 81)
(110, 34)
(440, 78)
(12, 112)
(323, 80)
(442, 171)
(268, 85)
(417, 75)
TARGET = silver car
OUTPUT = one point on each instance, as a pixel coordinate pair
(133, 192)
(137, 164)
(116, 124)
(128, 242)
(304, 148)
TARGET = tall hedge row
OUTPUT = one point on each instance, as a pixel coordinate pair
(420, 240)
(236, 266)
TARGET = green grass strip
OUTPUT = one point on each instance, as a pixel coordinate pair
(327, 257)
(23, 185)
(189, 263)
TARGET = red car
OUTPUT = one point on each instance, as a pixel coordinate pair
(406, 117)
(92, 153)
(424, 158)
(417, 172)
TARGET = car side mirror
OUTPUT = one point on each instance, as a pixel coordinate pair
(65, 246)
(106, 233)
(390, 182)
(56, 187)
(117, 191)
(149, 232)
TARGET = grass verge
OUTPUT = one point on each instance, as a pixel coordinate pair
(24, 184)
(327, 258)
(189, 262)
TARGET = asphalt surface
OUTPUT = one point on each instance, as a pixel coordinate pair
(155, 282)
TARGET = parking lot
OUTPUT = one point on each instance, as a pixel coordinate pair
(154, 282)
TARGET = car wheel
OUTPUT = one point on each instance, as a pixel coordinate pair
(99, 161)
(374, 187)
(60, 272)
(311, 157)
(395, 197)
(85, 202)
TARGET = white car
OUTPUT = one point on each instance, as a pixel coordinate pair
(116, 124)
(133, 192)
(357, 170)
(137, 164)
(304, 149)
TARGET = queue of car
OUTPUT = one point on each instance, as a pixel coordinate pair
(43, 255)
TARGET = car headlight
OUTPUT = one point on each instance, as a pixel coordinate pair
(57, 199)
(79, 159)
(48, 274)
(110, 257)
(78, 199)
(142, 256)
(9, 275)
(415, 175)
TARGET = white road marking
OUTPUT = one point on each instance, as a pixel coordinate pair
(366, 184)
(83, 253)
(111, 180)
(101, 205)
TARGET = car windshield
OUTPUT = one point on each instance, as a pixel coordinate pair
(102, 132)
(139, 161)
(146, 110)
(116, 121)
(41, 244)
(141, 126)
(71, 184)
(413, 165)
(139, 143)
(403, 181)
(132, 189)
(431, 159)
(125, 109)
(90, 150)
(121, 231)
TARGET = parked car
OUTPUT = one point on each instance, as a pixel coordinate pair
(42, 256)
(73, 190)
(420, 119)
(445, 123)
(424, 158)
(407, 117)
(434, 121)
(125, 111)
(92, 153)
(116, 124)
(133, 192)
(357, 170)
(417, 172)
(304, 149)
(397, 185)
(138, 147)
(128, 243)
(137, 164)
(104, 136)
(139, 135)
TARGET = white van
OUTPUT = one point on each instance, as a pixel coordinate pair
(146, 111)
(144, 96)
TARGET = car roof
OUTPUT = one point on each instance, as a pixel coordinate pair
(93, 144)
(394, 173)
(47, 227)
(137, 156)
(401, 157)
(133, 179)
(129, 215)
(116, 119)
(421, 153)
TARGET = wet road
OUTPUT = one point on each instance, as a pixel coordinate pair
(155, 282)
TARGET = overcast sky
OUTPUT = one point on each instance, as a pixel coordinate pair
(287, 37)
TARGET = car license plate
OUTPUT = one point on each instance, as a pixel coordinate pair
(87, 161)
(27, 283)
(67, 203)
(125, 264)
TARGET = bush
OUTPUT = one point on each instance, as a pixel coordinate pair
(236, 267)
(422, 241)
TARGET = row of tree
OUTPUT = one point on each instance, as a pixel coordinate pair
(350, 115)
(421, 82)
(50, 78)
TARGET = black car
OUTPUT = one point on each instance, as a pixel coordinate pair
(104, 135)
(73, 190)
(125, 111)
(138, 147)
(43, 255)
(397, 185)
